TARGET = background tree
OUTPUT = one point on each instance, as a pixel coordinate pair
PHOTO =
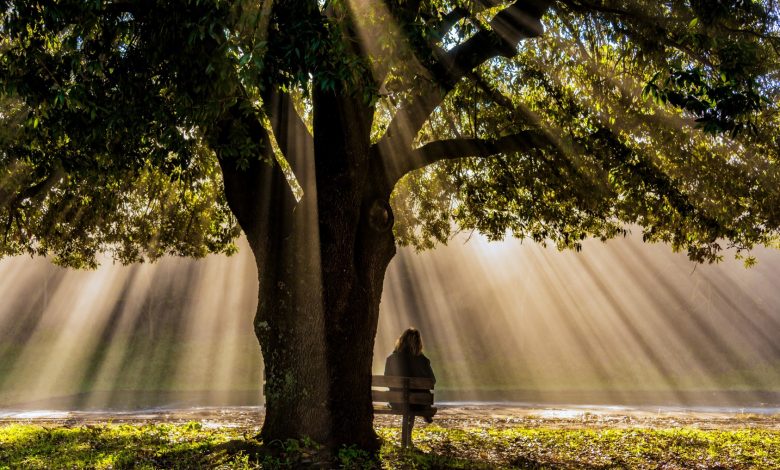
(329, 131)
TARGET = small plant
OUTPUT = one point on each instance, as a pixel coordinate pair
(292, 453)
(353, 457)
(193, 426)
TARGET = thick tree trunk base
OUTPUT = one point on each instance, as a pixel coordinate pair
(316, 323)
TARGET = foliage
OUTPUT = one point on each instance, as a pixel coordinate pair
(673, 135)
(98, 154)
(195, 446)
(110, 111)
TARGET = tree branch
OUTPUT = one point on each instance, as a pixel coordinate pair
(37, 192)
(519, 21)
(449, 20)
(452, 149)
(256, 190)
(41, 189)
(293, 137)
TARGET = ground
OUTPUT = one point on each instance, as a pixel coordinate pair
(461, 437)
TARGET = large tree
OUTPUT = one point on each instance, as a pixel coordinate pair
(330, 131)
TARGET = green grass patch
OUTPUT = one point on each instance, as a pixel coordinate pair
(597, 449)
(116, 446)
(195, 446)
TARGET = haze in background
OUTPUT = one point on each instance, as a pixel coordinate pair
(619, 323)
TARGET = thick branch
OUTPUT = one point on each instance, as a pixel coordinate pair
(422, 40)
(256, 190)
(41, 189)
(458, 13)
(519, 21)
(449, 20)
(293, 137)
(37, 192)
(451, 149)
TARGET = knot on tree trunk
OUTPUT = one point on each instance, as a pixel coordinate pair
(380, 215)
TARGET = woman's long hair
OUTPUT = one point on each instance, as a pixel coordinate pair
(409, 342)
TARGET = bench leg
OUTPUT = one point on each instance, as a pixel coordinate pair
(406, 431)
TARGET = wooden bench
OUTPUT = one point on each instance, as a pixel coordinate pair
(404, 391)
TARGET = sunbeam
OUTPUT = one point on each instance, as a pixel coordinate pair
(620, 322)
(583, 151)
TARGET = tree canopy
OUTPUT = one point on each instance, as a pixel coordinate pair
(659, 114)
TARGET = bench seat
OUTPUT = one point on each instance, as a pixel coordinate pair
(403, 392)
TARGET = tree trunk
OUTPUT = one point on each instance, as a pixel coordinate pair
(316, 322)
(321, 264)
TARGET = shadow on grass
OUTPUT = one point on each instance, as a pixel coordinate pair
(527, 463)
(278, 454)
(431, 460)
(152, 446)
(300, 454)
(162, 446)
(396, 457)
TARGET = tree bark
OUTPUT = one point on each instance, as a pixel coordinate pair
(316, 322)
(321, 264)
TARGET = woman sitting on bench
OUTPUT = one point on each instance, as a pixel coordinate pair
(408, 360)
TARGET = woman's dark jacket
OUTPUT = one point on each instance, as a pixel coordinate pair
(403, 364)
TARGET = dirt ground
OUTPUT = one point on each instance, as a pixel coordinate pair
(450, 416)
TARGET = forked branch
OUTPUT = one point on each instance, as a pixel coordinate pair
(256, 191)
(519, 21)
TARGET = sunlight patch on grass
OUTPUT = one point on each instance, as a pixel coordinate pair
(603, 448)
(194, 446)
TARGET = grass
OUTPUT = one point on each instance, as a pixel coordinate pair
(195, 446)
(601, 449)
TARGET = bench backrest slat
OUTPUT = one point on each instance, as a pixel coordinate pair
(415, 398)
(398, 382)
(408, 397)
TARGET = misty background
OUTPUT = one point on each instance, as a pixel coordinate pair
(621, 322)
